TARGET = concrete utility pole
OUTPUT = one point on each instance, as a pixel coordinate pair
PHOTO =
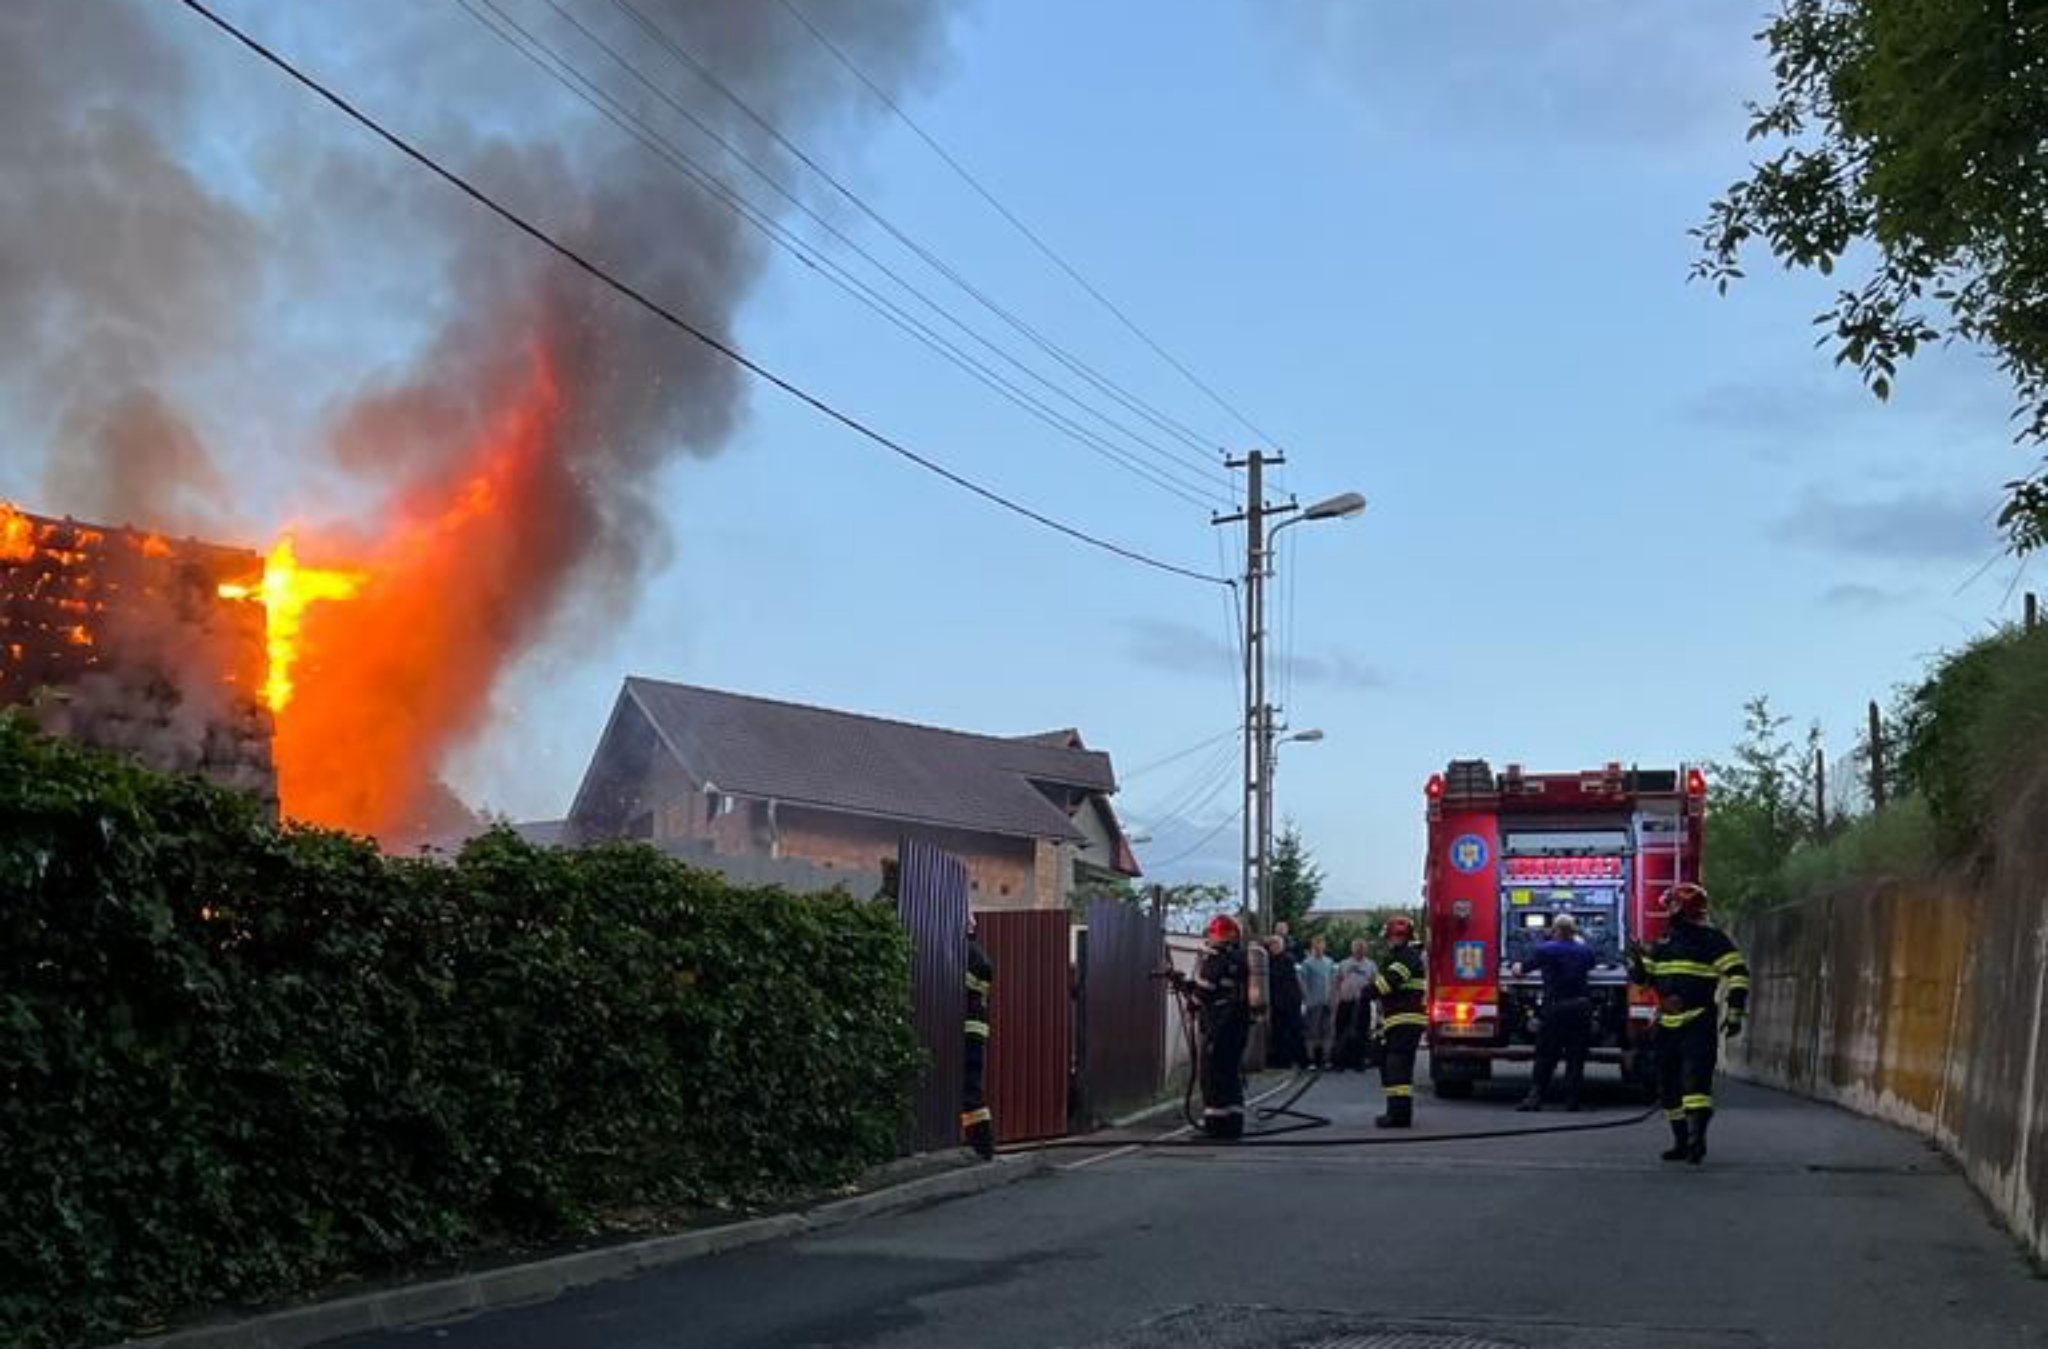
(1876, 757)
(1256, 893)
(1258, 719)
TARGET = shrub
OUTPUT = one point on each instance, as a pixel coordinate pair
(238, 1061)
(1973, 730)
(1898, 841)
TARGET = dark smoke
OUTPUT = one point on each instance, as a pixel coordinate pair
(183, 231)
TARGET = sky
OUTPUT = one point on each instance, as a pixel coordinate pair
(1436, 252)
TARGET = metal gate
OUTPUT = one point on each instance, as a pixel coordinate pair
(1031, 1019)
(1123, 1028)
(931, 902)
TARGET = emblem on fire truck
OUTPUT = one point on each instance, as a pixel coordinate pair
(1468, 853)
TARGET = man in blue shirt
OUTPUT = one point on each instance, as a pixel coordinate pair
(1564, 962)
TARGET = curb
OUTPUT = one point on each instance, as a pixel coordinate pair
(517, 1285)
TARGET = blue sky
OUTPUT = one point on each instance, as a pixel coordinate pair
(1439, 251)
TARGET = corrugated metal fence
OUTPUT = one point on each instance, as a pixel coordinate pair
(1031, 1019)
(931, 890)
(1124, 1010)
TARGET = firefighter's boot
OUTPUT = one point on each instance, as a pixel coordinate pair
(981, 1136)
(1681, 1143)
(1696, 1136)
(1400, 1113)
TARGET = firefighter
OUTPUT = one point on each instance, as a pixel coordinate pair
(1399, 986)
(1222, 992)
(977, 1124)
(1688, 969)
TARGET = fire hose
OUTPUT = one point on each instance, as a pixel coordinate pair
(1304, 1081)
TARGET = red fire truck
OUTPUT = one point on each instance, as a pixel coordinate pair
(1508, 853)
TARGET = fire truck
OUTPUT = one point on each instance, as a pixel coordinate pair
(1508, 853)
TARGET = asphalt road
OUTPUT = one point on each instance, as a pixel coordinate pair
(1807, 1227)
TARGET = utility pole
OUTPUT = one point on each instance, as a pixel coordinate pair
(1256, 896)
(2032, 611)
(1255, 855)
(1820, 792)
(1876, 757)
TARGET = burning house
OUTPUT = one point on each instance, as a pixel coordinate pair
(134, 643)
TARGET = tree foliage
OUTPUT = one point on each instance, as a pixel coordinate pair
(238, 1062)
(1297, 880)
(1761, 810)
(1973, 731)
(1909, 132)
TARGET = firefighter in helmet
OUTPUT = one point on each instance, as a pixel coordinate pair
(1688, 969)
(1222, 993)
(1400, 988)
(977, 1124)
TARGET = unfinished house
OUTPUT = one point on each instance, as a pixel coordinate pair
(701, 772)
(124, 640)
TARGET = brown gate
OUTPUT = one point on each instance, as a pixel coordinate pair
(1123, 1028)
(931, 902)
(1031, 1021)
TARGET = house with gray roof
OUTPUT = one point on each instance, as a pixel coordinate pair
(727, 775)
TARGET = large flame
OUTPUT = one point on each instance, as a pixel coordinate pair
(389, 664)
(287, 589)
(17, 535)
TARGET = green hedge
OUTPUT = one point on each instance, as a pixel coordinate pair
(1975, 733)
(238, 1062)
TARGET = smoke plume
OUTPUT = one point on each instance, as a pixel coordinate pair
(484, 421)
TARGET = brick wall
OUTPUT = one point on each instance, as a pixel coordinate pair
(1000, 871)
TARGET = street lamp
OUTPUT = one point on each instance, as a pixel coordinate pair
(1343, 506)
(1267, 769)
(1340, 507)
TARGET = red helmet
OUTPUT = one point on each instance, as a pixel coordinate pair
(1223, 928)
(1399, 929)
(1685, 900)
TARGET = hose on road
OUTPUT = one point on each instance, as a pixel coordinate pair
(1305, 1081)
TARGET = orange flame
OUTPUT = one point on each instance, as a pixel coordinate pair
(17, 536)
(402, 669)
(287, 589)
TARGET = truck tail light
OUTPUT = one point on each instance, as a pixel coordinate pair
(1433, 792)
(1466, 1009)
(1695, 783)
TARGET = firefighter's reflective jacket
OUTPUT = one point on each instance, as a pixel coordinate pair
(1402, 989)
(1687, 969)
(1223, 986)
(981, 973)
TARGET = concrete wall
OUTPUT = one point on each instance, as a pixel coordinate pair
(1923, 1003)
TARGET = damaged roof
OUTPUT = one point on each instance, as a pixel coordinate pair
(814, 756)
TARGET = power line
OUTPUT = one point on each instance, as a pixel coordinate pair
(557, 67)
(1195, 792)
(629, 292)
(1127, 778)
(1030, 234)
(753, 166)
(1073, 363)
(1201, 843)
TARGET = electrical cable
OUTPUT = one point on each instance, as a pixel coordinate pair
(1202, 842)
(1281, 1137)
(661, 311)
(1052, 349)
(536, 50)
(753, 166)
(1030, 234)
(1175, 757)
